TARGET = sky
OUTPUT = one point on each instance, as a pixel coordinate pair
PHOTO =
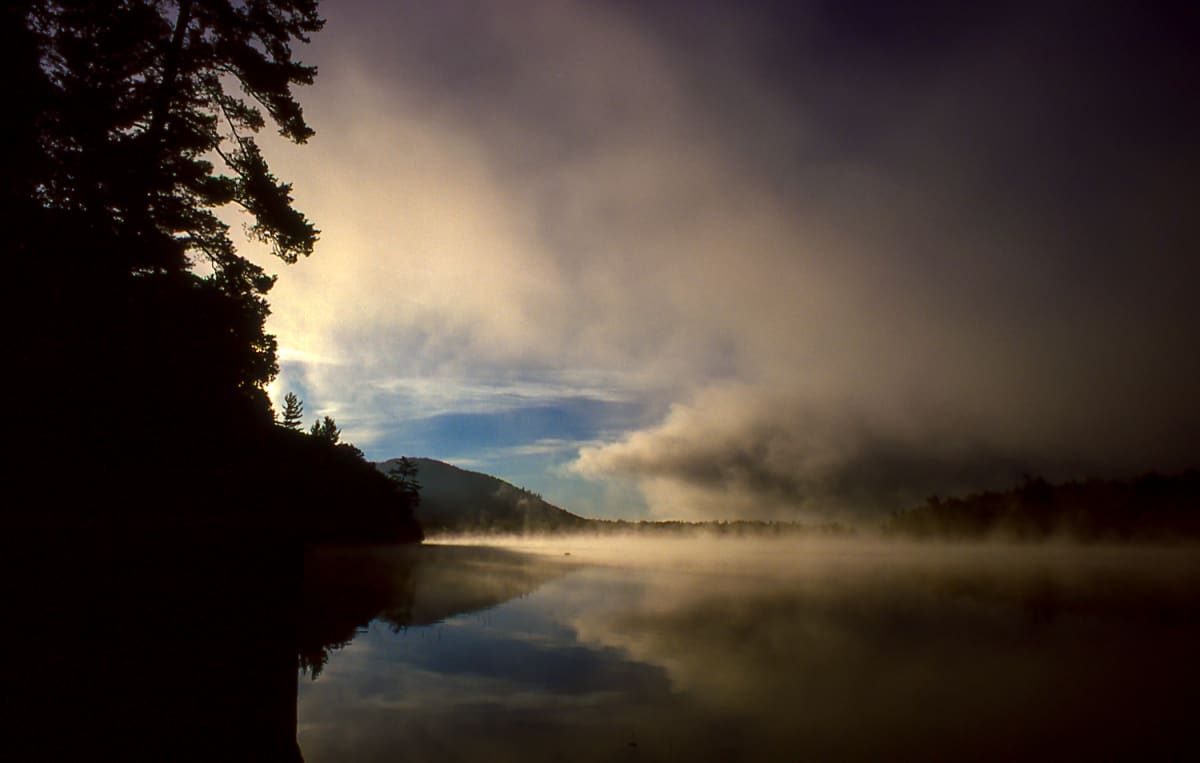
(776, 260)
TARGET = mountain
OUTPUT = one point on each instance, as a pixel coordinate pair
(455, 500)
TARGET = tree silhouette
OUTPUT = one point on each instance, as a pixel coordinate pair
(128, 127)
(143, 101)
(293, 412)
(404, 473)
(326, 430)
(133, 102)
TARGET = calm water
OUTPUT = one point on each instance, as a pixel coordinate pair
(736, 650)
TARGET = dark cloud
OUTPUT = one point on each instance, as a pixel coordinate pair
(869, 250)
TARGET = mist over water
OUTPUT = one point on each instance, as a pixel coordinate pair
(706, 649)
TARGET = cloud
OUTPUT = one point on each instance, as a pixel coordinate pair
(735, 452)
(838, 261)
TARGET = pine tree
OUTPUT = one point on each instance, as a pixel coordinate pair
(404, 472)
(327, 430)
(133, 102)
(293, 412)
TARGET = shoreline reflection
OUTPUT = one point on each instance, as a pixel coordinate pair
(188, 649)
(821, 651)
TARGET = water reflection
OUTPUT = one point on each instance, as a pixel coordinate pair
(345, 589)
(623, 650)
(187, 650)
(992, 656)
(740, 652)
(153, 650)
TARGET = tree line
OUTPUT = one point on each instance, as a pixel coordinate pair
(138, 328)
(1151, 507)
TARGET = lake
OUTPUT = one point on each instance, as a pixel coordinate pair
(626, 649)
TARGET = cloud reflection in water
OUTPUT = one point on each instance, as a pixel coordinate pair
(741, 651)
